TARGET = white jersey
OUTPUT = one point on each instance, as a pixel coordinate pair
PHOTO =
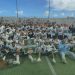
(8, 41)
(18, 46)
(44, 35)
(49, 48)
(37, 35)
(2, 29)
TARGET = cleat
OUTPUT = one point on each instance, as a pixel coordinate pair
(39, 60)
(53, 60)
(16, 62)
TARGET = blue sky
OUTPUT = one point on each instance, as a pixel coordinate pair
(38, 8)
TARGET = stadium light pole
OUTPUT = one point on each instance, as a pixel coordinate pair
(17, 14)
(49, 11)
(17, 8)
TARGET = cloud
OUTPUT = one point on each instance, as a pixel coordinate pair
(72, 15)
(46, 13)
(55, 15)
(51, 14)
(20, 12)
(62, 4)
(62, 13)
(2, 11)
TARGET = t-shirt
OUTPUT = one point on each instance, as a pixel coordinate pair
(63, 47)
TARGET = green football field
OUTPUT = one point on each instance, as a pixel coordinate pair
(45, 67)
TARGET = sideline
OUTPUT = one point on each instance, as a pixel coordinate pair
(50, 66)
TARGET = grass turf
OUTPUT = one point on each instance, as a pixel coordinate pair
(28, 68)
(64, 69)
(42, 68)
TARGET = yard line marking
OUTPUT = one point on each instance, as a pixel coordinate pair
(50, 66)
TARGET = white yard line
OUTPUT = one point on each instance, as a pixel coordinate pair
(50, 66)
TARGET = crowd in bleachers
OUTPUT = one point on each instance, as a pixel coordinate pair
(46, 39)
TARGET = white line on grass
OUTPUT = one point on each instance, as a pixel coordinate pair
(50, 66)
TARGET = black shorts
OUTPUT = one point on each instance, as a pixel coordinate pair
(48, 36)
(60, 37)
